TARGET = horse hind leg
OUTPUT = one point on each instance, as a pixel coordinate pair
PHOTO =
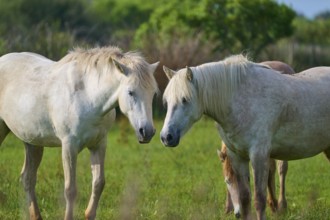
(272, 201)
(282, 171)
(33, 156)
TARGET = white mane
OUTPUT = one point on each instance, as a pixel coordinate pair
(100, 57)
(219, 80)
(216, 82)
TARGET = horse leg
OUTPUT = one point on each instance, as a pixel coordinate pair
(271, 186)
(242, 176)
(69, 159)
(97, 166)
(33, 156)
(4, 130)
(282, 171)
(260, 165)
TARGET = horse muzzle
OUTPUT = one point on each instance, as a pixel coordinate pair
(170, 139)
(237, 213)
(145, 134)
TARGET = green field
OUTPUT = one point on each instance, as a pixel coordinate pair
(154, 182)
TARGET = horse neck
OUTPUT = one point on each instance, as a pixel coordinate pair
(217, 85)
(212, 104)
(102, 90)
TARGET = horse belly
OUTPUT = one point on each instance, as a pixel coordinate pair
(296, 142)
(39, 133)
(26, 116)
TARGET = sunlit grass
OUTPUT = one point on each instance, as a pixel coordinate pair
(153, 182)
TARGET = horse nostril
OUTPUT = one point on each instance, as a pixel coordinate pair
(141, 130)
(238, 215)
(169, 137)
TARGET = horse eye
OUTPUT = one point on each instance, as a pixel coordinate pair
(184, 100)
(130, 93)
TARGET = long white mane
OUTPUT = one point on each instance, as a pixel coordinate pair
(218, 81)
(100, 58)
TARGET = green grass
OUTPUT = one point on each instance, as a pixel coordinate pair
(154, 182)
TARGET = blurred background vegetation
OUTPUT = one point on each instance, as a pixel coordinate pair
(177, 33)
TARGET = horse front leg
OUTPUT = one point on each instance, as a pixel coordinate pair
(260, 165)
(283, 167)
(97, 166)
(242, 176)
(69, 159)
(272, 201)
(33, 156)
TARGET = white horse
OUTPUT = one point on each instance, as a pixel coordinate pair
(232, 198)
(70, 103)
(263, 114)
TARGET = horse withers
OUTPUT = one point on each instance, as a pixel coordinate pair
(232, 200)
(262, 114)
(71, 103)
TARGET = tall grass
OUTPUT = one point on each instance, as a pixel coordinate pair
(154, 182)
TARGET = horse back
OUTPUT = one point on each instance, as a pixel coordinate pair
(279, 66)
(23, 63)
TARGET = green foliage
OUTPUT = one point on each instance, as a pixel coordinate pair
(312, 31)
(231, 26)
(251, 25)
(41, 26)
(68, 13)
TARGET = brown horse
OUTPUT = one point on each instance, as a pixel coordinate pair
(232, 201)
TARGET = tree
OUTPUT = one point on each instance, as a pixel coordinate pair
(117, 20)
(239, 25)
(231, 25)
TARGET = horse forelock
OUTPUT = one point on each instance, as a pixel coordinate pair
(178, 87)
(89, 59)
(140, 69)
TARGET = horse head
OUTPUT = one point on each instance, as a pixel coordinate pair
(135, 96)
(231, 182)
(183, 108)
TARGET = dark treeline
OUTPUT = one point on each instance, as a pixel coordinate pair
(177, 33)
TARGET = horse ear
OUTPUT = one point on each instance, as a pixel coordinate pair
(120, 67)
(154, 66)
(190, 75)
(169, 73)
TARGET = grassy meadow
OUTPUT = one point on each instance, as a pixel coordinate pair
(154, 182)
